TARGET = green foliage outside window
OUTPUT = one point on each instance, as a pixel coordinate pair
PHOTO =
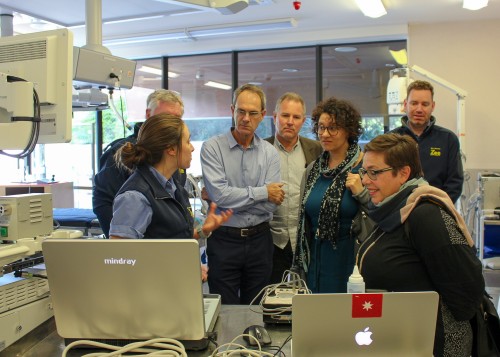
(113, 128)
(373, 126)
(205, 128)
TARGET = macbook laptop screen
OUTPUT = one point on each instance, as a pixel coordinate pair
(383, 324)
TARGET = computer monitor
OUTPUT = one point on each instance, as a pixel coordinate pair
(45, 59)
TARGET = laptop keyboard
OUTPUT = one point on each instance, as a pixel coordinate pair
(211, 310)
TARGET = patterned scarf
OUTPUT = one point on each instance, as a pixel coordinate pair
(393, 211)
(328, 222)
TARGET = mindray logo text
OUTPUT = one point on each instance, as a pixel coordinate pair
(119, 261)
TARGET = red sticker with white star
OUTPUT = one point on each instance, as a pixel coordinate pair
(367, 305)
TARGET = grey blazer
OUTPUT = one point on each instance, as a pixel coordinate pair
(312, 149)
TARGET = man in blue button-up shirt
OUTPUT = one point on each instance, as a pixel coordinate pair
(241, 171)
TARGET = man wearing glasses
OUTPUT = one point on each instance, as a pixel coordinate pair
(242, 172)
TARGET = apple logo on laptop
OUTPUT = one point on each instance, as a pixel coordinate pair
(364, 337)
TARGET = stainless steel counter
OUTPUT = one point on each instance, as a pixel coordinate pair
(44, 340)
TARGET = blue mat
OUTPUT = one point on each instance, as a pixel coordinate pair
(75, 217)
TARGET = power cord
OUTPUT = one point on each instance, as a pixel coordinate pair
(154, 347)
(115, 110)
(235, 349)
(212, 339)
(291, 281)
(35, 128)
(288, 339)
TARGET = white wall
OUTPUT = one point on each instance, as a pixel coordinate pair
(466, 54)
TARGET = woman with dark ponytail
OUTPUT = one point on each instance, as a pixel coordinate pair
(152, 203)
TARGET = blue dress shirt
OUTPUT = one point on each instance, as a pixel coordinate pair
(236, 177)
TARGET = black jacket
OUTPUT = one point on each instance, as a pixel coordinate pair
(428, 253)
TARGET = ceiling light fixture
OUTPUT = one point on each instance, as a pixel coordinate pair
(151, 70)
(193, 33)
(151, 79)
(157, 71)
(371, 8)
(475, 4)
(346, 49)
(218, 85)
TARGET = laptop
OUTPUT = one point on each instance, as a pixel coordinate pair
(379, 324)
(120, 291)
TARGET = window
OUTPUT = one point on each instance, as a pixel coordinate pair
(359, 76)
(207, 109)
(277, 72)
(12, 169)
(359, 73)
(75, 161)
(148, 78)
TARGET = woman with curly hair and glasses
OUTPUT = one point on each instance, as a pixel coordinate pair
(325, 248)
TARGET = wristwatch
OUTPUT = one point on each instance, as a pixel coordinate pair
(202, 235)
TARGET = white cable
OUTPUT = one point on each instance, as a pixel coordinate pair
(117, 113)
(290, 280)
(169, 347)
(472, 207)
(235, 349)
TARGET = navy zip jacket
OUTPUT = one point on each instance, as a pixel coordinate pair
(439, 150)
(172, 217)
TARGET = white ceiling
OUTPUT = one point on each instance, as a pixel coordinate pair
(328, 22)
(318, 22)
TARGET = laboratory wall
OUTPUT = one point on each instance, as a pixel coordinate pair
(467, 55)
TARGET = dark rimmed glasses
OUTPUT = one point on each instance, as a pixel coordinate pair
(372, 174)
(332, 130)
